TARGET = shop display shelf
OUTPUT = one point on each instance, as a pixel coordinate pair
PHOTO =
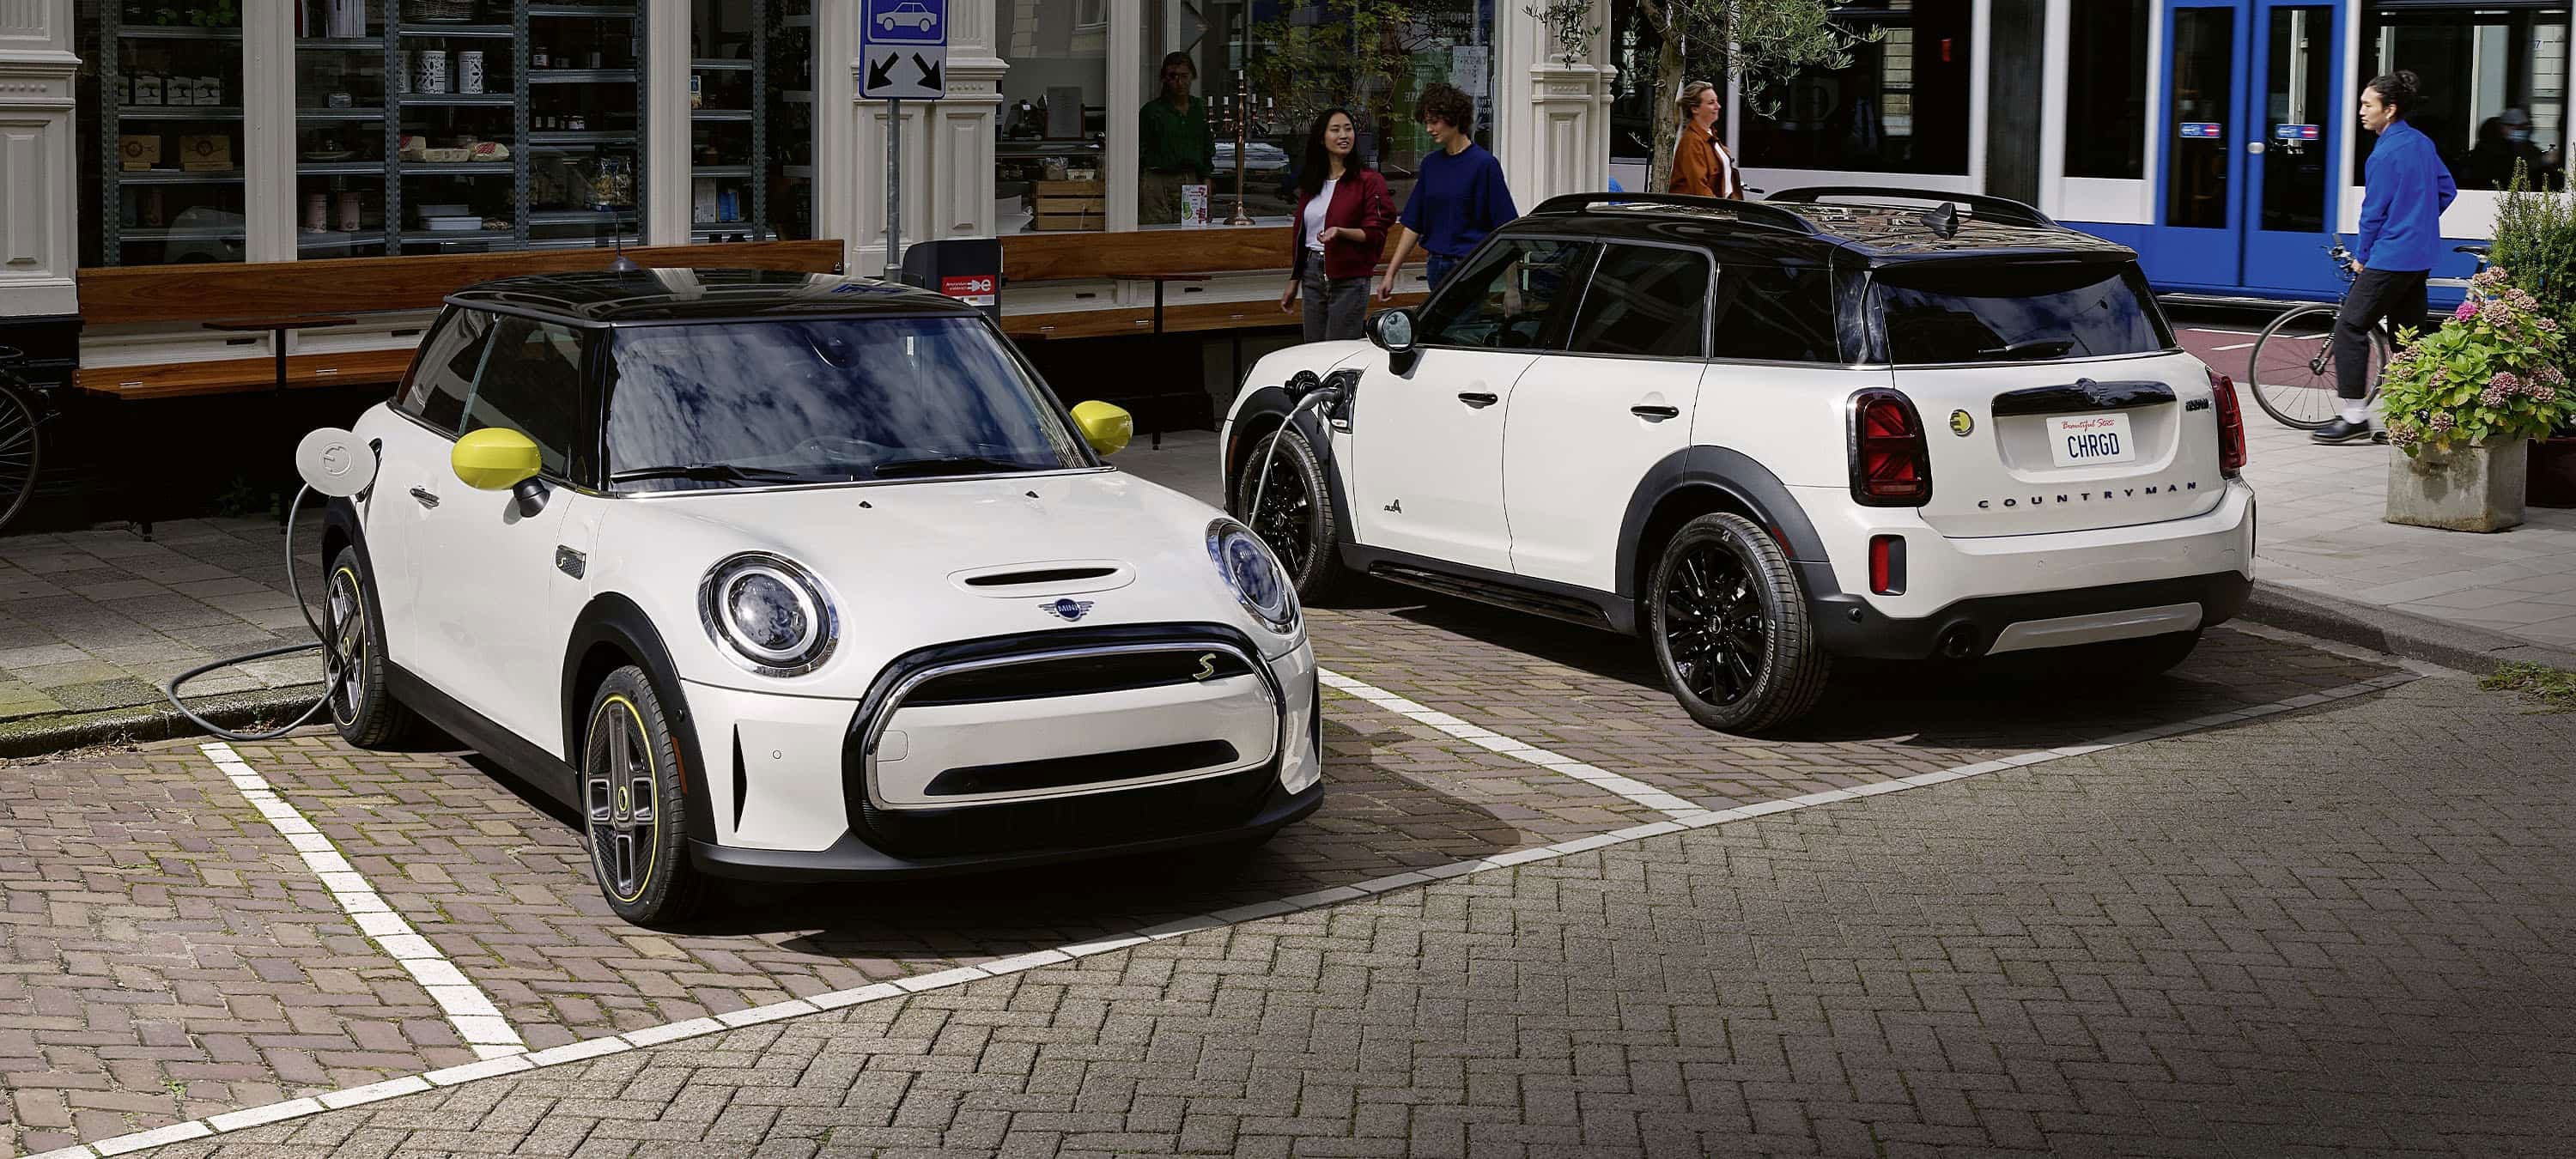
(708, 115)
(720, 66)
(179, 177)
(569, 76)
(372, 113)
(179, 112)
(460, 100)
(722, 170)
(495, 31)
(177, 32)
(136, 233)
(341, 168)
(582, 11)
(580, 137)
(456, 168)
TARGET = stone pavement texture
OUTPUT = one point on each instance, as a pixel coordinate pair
(2344, 932)
(2323, 533)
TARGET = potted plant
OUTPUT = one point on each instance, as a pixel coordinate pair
(2463, 400)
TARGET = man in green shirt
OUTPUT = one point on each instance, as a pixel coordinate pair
(1178, 148)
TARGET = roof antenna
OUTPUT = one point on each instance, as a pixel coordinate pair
(621, 264)
(1944, 221)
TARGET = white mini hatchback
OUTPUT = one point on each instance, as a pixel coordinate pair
(804, 577)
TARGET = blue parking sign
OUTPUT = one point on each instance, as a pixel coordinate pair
(906, 22)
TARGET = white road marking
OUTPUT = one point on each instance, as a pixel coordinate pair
(2238, 346)
(2230, 333)
(1634, 790)
(590, 1048)
(467, 1008)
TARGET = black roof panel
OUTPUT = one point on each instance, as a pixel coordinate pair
(1879, 230)
(604, 297)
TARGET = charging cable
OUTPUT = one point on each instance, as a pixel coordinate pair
(331, 661)
(1315, 396)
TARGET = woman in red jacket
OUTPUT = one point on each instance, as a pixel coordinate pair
(1342, 214)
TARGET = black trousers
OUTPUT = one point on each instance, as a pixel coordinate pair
(2396, 296)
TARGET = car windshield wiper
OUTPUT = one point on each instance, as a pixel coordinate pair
(947, 465)
(2031, 348)
(718, 473)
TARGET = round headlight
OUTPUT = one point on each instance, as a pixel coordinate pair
(1253, 573)
(767, 614)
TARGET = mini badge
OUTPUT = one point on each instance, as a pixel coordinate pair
(1067, 610)
(1961, 424)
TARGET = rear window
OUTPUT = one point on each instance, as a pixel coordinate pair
(2027, 313)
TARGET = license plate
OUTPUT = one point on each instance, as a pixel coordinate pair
(2090, 440)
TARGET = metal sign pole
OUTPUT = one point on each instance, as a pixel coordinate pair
(894, 191)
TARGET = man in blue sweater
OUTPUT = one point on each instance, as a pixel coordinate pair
(1459, 195)
(2408, 187)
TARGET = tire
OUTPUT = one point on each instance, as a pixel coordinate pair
(1298, 526)
(634, 811)
(363, 708)
(21, 452)
(2291, 370)
(1728, 624)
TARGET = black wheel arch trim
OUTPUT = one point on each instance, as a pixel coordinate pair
(614, 619)
(340, 516)
(1745, 483)
(1272, 402)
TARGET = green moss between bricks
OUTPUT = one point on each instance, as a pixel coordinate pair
(2555, 687)
(136, 724)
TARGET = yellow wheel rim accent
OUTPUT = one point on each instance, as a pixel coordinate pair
(619, 817)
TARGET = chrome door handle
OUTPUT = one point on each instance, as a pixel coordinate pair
(1657, 413)
(1477, 399)
(426, 499)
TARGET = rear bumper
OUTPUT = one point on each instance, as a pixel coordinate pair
(1847, 625)
(852, 859)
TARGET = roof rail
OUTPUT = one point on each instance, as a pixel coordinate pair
(1992, 208)
(1751, 212)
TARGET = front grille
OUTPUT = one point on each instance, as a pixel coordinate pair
(1091, 768)
(1109, 817)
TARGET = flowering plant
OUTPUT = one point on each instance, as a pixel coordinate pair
(2491, 372)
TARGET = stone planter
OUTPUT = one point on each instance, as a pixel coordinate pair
(2553, 472)
(2476, 488)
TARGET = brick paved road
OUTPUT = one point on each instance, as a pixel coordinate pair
(2348, 931)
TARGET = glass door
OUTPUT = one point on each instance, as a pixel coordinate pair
(2200, 228)
(2290, 140)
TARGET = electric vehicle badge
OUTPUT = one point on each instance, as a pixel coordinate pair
(1067, 610)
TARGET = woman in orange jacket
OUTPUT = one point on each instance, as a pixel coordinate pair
(1701, 165)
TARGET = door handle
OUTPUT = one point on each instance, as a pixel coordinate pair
(1477, 399)
(1657, 413)
(426, 499)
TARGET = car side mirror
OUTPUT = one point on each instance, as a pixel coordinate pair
(1106, 427)
(494, 459)
(1392, 330)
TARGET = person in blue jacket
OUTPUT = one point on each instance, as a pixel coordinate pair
(1459, 195)
(2406, 189)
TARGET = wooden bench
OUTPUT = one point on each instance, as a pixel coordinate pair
(345, 286)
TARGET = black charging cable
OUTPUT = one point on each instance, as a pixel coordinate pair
(331, 660)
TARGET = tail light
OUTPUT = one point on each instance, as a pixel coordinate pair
(2231, 425)
(1887, 565)
(1890, 465)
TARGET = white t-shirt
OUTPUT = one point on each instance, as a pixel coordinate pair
(1315, 208)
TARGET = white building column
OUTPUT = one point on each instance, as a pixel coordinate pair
(667, 128)
(967, 124)
(39, 186)
(1552, 131)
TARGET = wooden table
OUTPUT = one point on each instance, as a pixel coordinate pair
(1159, 279)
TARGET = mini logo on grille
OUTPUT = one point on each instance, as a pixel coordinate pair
(1207, 666)
(1067, 610)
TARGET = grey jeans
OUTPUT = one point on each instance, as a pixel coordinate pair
(1335, 307)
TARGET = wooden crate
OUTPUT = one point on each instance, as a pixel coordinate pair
(1071, 205)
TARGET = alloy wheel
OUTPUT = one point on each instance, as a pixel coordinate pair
(621, 800)
(345, 615)
(1285, 518)
(1714, 627)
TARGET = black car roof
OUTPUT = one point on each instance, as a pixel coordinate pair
(605, 297)
(1878, 227)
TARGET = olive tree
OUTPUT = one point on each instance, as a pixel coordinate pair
(1765, 43)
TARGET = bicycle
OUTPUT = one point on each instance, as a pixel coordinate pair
(2292, 372)
(21, 442)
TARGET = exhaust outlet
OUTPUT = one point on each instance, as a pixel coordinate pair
(1959, 643)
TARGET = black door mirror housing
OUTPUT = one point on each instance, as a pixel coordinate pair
(1392, 330)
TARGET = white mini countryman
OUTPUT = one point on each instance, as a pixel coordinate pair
(803, 577)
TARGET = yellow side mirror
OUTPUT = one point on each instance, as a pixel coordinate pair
(1107, 428)
(494, 459)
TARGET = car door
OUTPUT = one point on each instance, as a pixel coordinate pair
(1584, 428)
(1428, 439)
(492, 604)
(413, 469)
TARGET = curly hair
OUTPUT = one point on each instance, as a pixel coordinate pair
(1442, 101)
(2398, 90)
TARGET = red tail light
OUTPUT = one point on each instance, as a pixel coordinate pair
(1887, 565)
(1890, 466)
(2231, 425)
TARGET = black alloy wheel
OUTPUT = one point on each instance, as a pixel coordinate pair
(633, 808)
(1728, 624)
(362, 707)
(1295, 517)
(21, 452)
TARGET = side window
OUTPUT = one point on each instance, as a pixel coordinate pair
(443, 376)
(1645, 302)
(531, 383)
(1768, 312)
(1515, 298)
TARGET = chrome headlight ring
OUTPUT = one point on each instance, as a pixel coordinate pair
(768, 614)
(1254, 574)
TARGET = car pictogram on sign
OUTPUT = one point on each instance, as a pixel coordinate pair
(911, 15)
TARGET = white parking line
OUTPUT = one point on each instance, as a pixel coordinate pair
(2230, 333)
(590, 1048)
(468, 1009)
(1634, 790)
(2238, 346)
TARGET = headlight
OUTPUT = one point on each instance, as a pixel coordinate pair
(767, 614)
(1255, 576)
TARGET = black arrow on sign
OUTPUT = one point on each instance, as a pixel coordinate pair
(881, 73)
(929, 72)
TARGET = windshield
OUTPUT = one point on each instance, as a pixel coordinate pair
(826, 401)
(2018, 313)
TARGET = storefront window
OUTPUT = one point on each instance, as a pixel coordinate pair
(2494, 86)
(1901, 107)
(1055, 116)
(751, 120)
(2106, 89)
(161, 96)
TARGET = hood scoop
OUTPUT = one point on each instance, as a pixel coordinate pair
(1048, 578)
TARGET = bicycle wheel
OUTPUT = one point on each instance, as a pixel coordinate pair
(2292, 369)
(19, 449)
